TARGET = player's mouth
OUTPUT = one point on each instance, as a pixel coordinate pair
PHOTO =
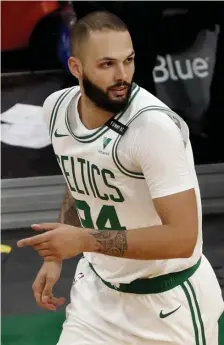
(119, 91)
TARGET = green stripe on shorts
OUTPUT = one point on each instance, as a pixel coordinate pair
(198, 312)
(199, 330)
(192, 314)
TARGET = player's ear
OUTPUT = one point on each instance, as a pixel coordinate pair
(75, 67)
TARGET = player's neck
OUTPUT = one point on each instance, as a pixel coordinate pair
(92, 116)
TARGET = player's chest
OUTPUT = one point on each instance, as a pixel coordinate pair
(92, 169)
(88, 164)
(79, 154)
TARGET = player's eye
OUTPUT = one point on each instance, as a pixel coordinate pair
(130, 59)
(106, 64)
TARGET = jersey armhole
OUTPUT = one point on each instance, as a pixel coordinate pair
(118, 164)
(54, 112)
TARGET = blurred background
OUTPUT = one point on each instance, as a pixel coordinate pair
(179, 58)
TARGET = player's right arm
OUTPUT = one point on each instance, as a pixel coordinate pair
(50, 272)
(68, 214)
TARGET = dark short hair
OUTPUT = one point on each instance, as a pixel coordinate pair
(95, 21)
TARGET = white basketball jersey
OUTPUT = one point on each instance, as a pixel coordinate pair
(108, 185)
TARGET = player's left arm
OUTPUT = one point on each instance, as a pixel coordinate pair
(175, 238)
(160, 151)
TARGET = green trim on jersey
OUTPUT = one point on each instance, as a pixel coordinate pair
(118, 164)
(198, 325)
(102, 130)
(52, 113)
(55, 110)
(154, 285)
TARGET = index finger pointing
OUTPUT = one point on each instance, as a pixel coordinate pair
(30, 241)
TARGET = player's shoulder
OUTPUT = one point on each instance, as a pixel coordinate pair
(148, 110)
(150, 116)
(52, 99)
(55, 98)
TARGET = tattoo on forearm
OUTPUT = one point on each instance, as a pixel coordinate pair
(68, 214)
(111, 242)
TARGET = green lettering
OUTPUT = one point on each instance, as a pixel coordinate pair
(81, 205)
(105, 196)
(120, 197)
(63, 159)
(82, 162)
(106, 220)
(74, 178)
(90, 180)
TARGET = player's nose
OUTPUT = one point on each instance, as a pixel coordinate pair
(121, 74)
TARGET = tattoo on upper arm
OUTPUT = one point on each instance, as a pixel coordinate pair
(68, 214)
(111, 242)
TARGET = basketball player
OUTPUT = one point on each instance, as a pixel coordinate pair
(129, 168)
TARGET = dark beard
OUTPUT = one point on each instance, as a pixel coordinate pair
(101, 99)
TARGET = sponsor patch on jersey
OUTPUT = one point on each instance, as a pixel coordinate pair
(106, 142)
(116, 126)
